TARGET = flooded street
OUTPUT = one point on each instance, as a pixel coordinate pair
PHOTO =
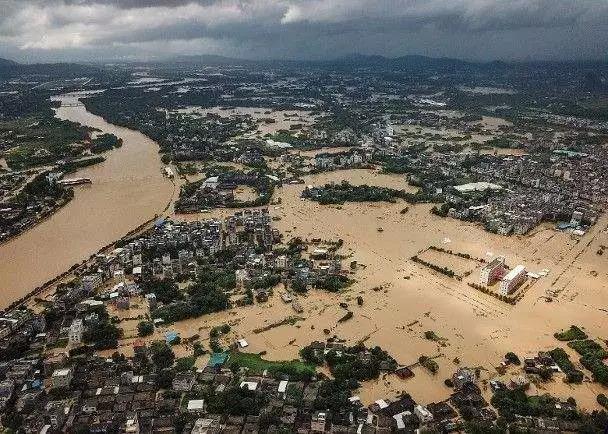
(127, 189)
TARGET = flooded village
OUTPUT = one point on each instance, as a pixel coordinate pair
(280, 266)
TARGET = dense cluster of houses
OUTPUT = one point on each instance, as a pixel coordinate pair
(18, 214)
(567, 189)
(218, 191)
(60, 393)
(68, 393)
(352, 158)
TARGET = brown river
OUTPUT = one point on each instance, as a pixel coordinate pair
(128, 189)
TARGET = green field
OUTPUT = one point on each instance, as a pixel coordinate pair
(295, 369)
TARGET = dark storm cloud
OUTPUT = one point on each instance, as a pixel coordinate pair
(477, 29)
(134, 4)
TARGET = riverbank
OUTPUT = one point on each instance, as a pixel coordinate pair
(57, 207)
(128, 188)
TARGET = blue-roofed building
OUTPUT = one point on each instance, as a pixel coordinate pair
(170, 336)
(160, 222)
(217, 360)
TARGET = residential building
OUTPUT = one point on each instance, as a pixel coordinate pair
(131, 425)
(62, 378)
(76, 331)
(423, 414)
(196, 406)
(318, 422)
(492, 272)
(91, 282)
(512, 280)
(184, 381)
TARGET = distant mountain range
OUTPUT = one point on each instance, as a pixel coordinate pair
(9, 69)
(409, 62)
(353, 60)
(6, 63)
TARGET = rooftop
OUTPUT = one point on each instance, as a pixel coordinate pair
(515, 272)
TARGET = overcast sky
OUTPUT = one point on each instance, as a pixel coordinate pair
(46, 30)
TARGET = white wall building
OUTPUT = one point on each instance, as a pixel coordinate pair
(76, 331)
(211, 182)
(423, 414)
(61, 378)
(512, 280)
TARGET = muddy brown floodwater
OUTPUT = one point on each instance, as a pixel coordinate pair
(128, 189)
(403, 299)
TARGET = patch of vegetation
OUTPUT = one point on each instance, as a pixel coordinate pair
(598, 368)
(42, 139)
(431, 336)
(206, 301)
(100, 332)
(348, 315)
(285, 136)
(217, 331)
(290, 320)
(333, 282)
(334, 394)
(511, 357)
(442, 270)
(589, 348)
(105, 142)
(185, 363)
(294, 369)
(236, 401)
(429, 364)
(206, 295)
(266, 282)
(515, 402)
(161, 354)
(165, 290)
(561, 358)
(592, 358)
(145, 328)
(351, 364)
(573, 333)
(346, 192)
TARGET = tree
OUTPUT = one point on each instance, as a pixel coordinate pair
(12, 420)
(162, 355)
(198, 349)
(309, 354)
(299, 285)
(512, 358)
(237, 402)
(164, 379)
(103, 335)
(184, 363)
(165, 290)
(145, 328)
(545, 373)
